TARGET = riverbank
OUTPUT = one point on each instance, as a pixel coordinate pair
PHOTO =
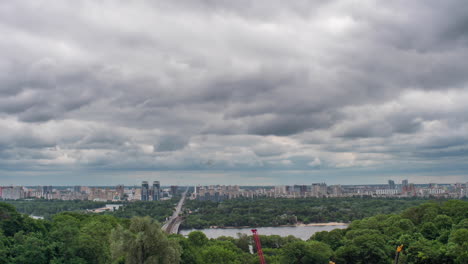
(295, 225)
(303, 231)
(322, 224)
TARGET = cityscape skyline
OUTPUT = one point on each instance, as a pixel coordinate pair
(210, 178)
(155, 192)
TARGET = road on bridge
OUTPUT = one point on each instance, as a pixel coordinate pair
(172, 225)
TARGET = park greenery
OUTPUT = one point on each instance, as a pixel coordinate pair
(158, 210)
(235, 212)
(283, 211)
(48, 208)
(432, 233)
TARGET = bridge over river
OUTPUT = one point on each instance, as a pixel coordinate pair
(173, 223)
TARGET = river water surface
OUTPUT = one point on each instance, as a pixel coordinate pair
(302, 232)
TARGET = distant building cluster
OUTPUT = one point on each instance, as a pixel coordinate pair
(154, 191)
(406, 189)
(218, 192)
(313, 190)
(12, 192)
(223, 192)
(118, 193)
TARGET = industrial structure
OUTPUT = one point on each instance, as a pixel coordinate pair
(259, 246)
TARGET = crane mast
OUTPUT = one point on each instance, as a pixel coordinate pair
(259, 246)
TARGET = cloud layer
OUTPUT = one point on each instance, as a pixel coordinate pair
(265, 91)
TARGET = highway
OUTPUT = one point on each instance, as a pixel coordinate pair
(172, 225)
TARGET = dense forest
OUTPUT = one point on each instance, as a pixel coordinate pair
(283, 211)
(432, 233)
(157, 210)
(236, 212)
(48, 208)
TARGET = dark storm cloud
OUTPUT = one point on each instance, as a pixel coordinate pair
(400, 124)
(284, 125)
(171, 143)
(243, 84)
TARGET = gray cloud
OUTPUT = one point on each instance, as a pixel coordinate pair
(171, 143)
(239, 85)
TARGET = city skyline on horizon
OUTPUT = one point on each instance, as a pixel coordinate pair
(181, 182)
(218, 193)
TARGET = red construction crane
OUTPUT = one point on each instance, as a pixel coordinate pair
(259, 246)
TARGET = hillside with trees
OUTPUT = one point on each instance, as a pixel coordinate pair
(432, 233)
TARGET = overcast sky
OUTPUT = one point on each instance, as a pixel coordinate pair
(233, 92)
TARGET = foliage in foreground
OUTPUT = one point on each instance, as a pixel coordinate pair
(432, 233)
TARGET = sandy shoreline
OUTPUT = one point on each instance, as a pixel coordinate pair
(296, 225)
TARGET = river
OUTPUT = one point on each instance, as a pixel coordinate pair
(302, 232)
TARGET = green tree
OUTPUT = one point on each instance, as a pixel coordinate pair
(333, 238)
(224, 252)
(429, 230)
(365, 247)
(197, 238)
(29, 249)
(143, 243)
(64, 234)
(90, 239)
(190, 254)
(460, 236)
(243, 241)
(301, 252)
(10, 220)
(426, 251)
(4, 243)
(443, 222)
(458, 245)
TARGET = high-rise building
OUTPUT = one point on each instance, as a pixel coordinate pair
(174, 189)
(46, 189)
(47, 192)
(13, 192)
(300, 189)
(404, 186)
(280, 190)
(77, 189)
(412, 188)
(391, 184)
(319, 189)
(144, 191)
(156, 191)
(336, 190)
(120, 190)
